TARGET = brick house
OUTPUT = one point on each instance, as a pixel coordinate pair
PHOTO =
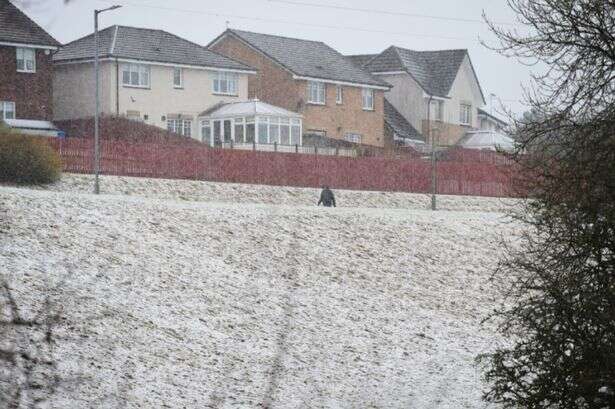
(437, 90)
(337, 99)
(26, 70)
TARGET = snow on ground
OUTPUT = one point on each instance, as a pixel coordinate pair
(181, 303)
(235, 192)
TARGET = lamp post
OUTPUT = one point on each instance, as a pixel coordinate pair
(96, 137)
(433, 155)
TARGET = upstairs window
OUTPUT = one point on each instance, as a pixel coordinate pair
(178, 77)
(7, 110)
(225, 83)
(26, 60)
(436, 110)
(316, 92)
(339, 95)
(135, 75)
(368, 99)
(353, 137)
(465, 114)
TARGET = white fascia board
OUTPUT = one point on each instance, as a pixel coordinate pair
(427, 96)
(351, 84)
(163, 64)
(21, 45)
(389, 73)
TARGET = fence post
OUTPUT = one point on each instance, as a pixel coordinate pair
(254, 145)
(296, 148)
(337, 151)
(315, 150)
(232, 144)
(275, 146)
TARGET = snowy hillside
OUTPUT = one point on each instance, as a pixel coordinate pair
(169, 301)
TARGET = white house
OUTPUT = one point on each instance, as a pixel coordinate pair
(146, 75)
(444, 80)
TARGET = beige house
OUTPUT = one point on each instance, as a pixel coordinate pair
(146, 75)
(444, 80)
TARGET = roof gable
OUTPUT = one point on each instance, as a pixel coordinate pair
(361, 59)
(17, 27)
(306, 58)
(435, 71)
(147, 45)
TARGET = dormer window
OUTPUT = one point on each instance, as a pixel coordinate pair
(26, 60)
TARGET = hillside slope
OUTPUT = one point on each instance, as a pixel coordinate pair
(174, 303)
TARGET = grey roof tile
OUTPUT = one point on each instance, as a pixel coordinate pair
(399, 124)
(435, 71)
(361, 59)
(147, 45)
(308, 58)
(17, 27)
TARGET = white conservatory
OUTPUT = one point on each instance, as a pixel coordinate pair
(250, 123)
(488, 140)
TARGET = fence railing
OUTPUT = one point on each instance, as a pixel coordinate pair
(455, 176)
(272, 147)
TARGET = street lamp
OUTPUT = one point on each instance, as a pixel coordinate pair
(96, 141)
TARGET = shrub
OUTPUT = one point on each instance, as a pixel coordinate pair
(27, 159)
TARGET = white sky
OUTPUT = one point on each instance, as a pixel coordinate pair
(196, 20)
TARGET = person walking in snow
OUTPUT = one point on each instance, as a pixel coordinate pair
(327, 198)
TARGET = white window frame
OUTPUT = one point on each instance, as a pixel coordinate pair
(228, 80)
(179, 70)
(339, 95)
(141, 70)
(437, 110)
(180, 126)
(353, 137)
(25, 53)
(465, 113)
(317, 93)
(367, 98)
(4, 110)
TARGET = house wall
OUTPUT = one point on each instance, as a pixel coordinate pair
(275, 85)
(74, 96)
(73, 90)
(406, 96)
(464, 89)
(31, 92)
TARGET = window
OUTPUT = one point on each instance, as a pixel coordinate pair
(206, 132)
(295, 132)
(436, 110)
(134, 115)
(274, 130)
(284, 131)
(263, 130)
(316, 92)
(178, 77)
(339, 95)
(135, 75)
(353, 137)
(239, 130)
(7, 110)
(250, 131)
(368, 99)
(26, 60)
(465, 114)
(180, 126)
(225, 83)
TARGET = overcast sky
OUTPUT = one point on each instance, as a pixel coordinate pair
(452, 24)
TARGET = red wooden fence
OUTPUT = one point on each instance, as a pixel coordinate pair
(456, 174)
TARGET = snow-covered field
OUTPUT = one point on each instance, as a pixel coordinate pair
(191, 295)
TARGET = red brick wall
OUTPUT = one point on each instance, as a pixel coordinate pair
(31, 92)
(275, 85)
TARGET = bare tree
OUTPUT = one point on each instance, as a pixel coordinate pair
(560, 314)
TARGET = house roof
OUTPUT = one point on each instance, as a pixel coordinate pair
(435, 71)
(399, 124)
(306, 58)
(247, 108)
(17, 27)
(492, 117)
(361, 59)
(147, 45)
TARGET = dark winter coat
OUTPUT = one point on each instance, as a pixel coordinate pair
(327, 198)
